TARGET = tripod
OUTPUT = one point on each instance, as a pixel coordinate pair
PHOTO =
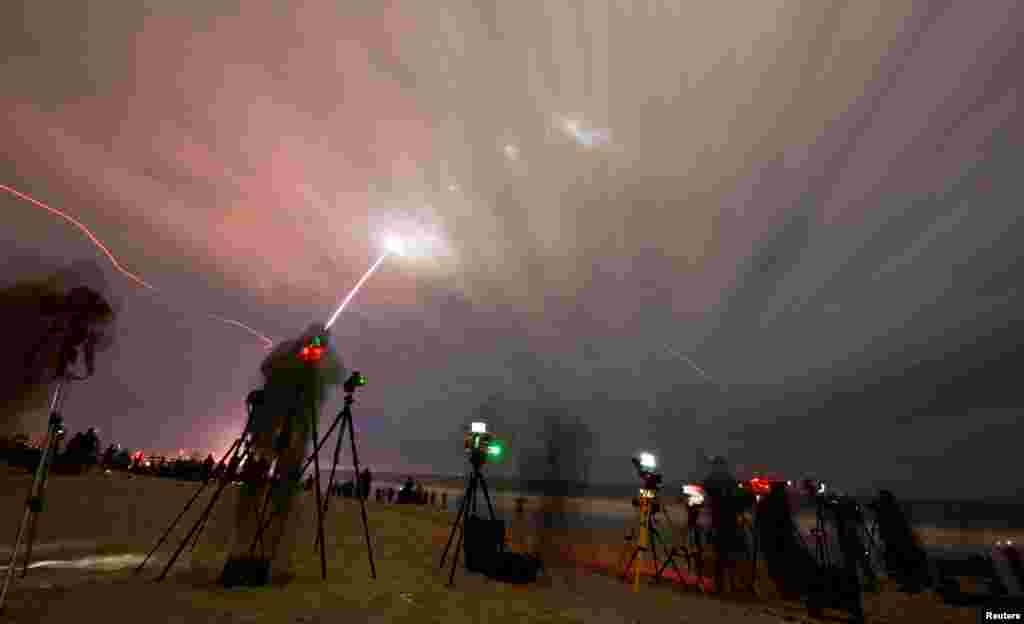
(476, 479)
(649, 534)
(34, 503)
(755, 534)
(695, 544)
(822, 551)
(226, 478)
(344, 419)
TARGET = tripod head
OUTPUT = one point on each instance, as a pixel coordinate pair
(356, 380)
(645, 470)
(481, 445)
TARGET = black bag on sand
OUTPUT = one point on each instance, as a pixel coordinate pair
(513, 567)
(484, 542)
(246, 572)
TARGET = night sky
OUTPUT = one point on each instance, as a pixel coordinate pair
(786, 231)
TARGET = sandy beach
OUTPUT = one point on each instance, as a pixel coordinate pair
(115, 520)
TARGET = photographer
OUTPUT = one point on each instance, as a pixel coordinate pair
(726, 504)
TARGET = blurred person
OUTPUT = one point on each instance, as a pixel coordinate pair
(722, 487)
(108, 456)
(232, 470)
(560, 466)
(391, 495)
(365, 481)
(207, 470)
(407, 491)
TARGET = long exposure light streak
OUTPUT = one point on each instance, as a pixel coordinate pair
(114, 261)
(85, 230)
(691, 363)
(355, 289)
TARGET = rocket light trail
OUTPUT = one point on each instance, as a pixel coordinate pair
(117, 265)
(355, 289)
(81, 226)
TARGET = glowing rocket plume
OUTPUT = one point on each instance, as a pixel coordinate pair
(113, 260)
(355, 289)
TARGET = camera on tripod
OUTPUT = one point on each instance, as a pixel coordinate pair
(355, 380)
(481, 444)
(645, 465)
(694, 495)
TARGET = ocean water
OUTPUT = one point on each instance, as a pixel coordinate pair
(950, 514)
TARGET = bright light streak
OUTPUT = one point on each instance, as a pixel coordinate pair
(394, 245)
(117, 265)
(355, 289)
(81, 226)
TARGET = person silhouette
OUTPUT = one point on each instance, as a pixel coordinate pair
(207, 470)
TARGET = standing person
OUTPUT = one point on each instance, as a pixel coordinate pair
(365, 480)
(419, 494)
(108, 456)
(433, 499)
(207, 470)
(391, 495)
(721, 486)
(559, 465)
(406, 493)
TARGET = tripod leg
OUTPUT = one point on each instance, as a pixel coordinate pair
(265, 519)
(319, 445)
(195, 527)
(188, 506)
(655, 540)
(33, 522)
(630, 562)
(319, 502)
(753, 572)
(463, 505)
(362, 501)
(12, 564)
(455, 557)
(462, 530)
(258, 539)
(38, 492)
(487, 496)
(334, 468)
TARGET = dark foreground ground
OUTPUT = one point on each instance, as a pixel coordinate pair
(115, 520)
